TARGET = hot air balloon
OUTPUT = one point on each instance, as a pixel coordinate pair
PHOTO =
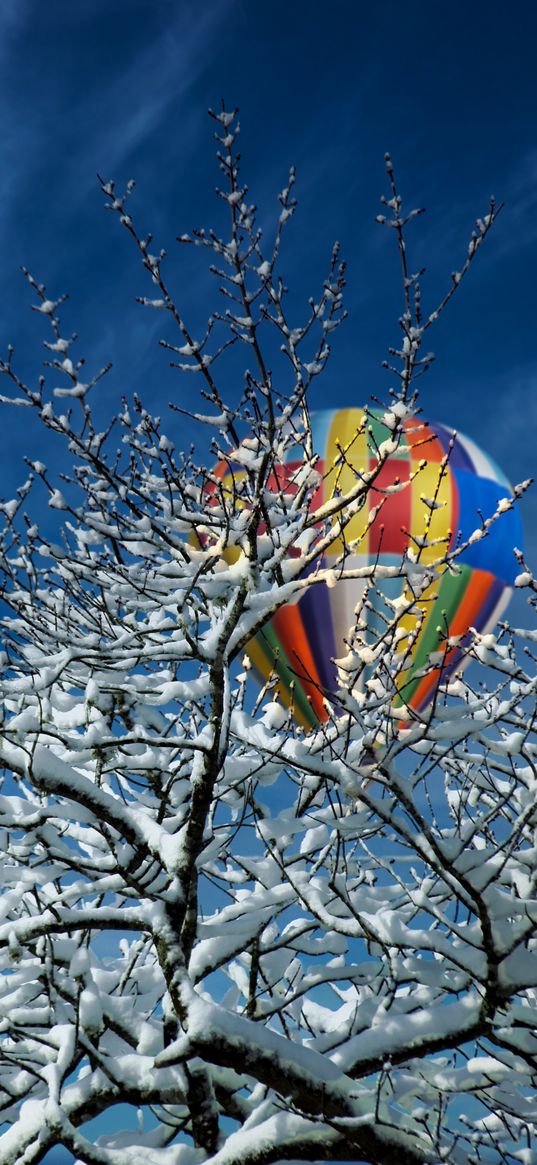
(445, 487)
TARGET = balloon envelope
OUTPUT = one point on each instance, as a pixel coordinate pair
(303, 639)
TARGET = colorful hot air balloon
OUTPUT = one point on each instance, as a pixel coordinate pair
(446, 505)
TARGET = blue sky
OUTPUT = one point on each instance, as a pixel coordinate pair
(122, 87)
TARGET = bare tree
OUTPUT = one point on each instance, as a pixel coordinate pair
(274, 944)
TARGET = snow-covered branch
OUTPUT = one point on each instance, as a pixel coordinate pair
(280, 931)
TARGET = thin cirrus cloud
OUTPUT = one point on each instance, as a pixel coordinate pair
(520, 197)
(18, 133)
(61, 121)
(74, 125)
(128, 113)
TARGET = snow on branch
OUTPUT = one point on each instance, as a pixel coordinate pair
(286, 922)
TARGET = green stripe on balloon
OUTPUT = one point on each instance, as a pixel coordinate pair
(278, 661)
(376, 434)
(449, 597)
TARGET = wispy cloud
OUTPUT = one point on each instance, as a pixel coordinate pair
(13, 17)
(17, 132)
(136, 101)
(77, 124)
(520, 197)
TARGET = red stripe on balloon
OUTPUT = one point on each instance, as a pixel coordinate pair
(387, 532)
(283, 478)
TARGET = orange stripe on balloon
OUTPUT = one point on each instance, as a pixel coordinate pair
(422, 442)
(288, 625)
(474, 597)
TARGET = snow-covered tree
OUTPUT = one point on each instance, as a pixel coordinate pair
(272, 944)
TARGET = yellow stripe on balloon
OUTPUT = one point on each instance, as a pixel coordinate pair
(347, 436)
(432, 524)
(433, 485)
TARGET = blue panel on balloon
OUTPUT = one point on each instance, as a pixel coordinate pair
(494, 552)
